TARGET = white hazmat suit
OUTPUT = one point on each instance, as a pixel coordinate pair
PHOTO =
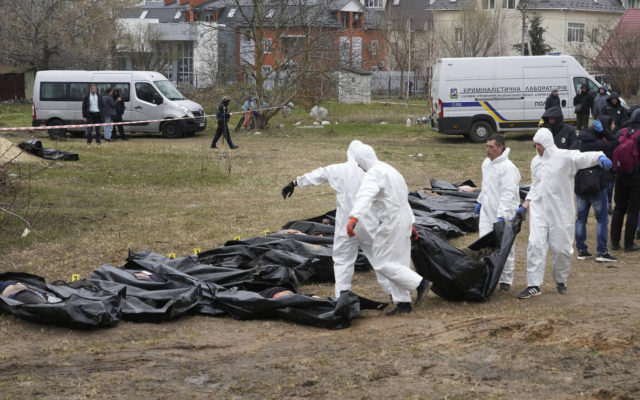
(345, 179)
(552, 221)
(500, 198)
(383, 198)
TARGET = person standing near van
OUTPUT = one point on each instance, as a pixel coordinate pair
(92, 112)
(582, 102)
(119, 112)
(108, 113)
(564, 135)
(599, 102)
(222, 116)
(615, 110)
(553, 100)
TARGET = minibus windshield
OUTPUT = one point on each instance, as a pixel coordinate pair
(168, 90)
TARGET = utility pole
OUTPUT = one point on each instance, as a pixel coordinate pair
(522, 6)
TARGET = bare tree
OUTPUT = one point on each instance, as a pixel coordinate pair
(140, 47)
(475, 33)
(615, 51)
(285, 50)
(65, 34)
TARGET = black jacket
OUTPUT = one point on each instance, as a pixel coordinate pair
(222, 114)
(616, 111)
(590, 140)
(564, 135)
(85, 105)
(120, 107)
(585, 99)
(552, 101)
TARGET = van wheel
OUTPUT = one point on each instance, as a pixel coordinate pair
(56, 134)
(171, 130)
(480, 132)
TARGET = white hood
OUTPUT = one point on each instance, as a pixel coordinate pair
(366, 157)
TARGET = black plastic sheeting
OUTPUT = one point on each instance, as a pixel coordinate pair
(458, 276)
(228, 280)
(34, 147)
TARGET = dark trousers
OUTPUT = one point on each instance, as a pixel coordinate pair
(223, 129)
(93, 118)
(118, 118)
(582, 121)
(627, 201)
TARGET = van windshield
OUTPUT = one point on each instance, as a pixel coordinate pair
(168, 90)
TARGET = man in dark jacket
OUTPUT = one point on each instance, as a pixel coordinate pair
(92, 112)
(564, 135)
(222, 115)
(615, 110)
(553, 100)
(600, 102)
(120, 107)
(627, 200)
(108, 113)
(597, 138)
(582, 102)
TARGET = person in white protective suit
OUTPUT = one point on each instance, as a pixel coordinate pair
(499, 198)
(345, 179)
(383, 199)
(552, 209)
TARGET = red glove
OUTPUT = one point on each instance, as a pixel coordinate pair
(414, 234)
(351, 226)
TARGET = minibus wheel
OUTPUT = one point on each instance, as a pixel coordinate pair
(480, 132)
(171, 130)
(56, 134)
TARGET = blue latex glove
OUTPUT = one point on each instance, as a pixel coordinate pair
(500, 219)
(522, 213)
(597, 125)
(476, 209)
(604, 162)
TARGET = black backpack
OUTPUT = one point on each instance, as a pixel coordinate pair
(590, 181)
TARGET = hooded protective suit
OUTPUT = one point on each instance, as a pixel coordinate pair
(383, 198)
(500, 198)
(552, 207)
(345, 179)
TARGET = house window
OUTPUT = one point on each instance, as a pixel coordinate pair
(271, 12)
(185, 62)
(209, 17)
(357, 20)
(489, 4)
(344, 20)
(458, 35)
(373, 3)
(266, 71)
(232, 12)
(292, 45)
(595, 35)
(373, 47)
(575, 32)
(509, 4)
(267, 45)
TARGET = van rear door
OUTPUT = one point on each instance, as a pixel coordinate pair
(538, 82)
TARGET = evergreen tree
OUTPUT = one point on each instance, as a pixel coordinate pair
(536, 37)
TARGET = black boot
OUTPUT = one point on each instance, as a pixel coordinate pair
(422, 289)
(401, 308)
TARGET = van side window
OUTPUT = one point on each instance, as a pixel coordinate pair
(579, 81)
(78, 90)
(53, 91)
(124, 90)
(145, 92)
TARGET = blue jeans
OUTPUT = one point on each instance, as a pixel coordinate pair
(600, 205)
(108, 128)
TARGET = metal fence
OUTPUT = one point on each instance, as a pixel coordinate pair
(391, 83)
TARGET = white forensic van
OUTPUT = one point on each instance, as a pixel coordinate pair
(57, 100)
(476, 97)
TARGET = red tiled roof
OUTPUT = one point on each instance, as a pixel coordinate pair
(622, 48)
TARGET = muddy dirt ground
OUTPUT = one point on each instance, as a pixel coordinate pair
(585, 344)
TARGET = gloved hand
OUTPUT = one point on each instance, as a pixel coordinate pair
(414, 234)
(500, 219)
(287, 191)
(522, 213)
(351, 226)
(476, 209)
(597, 125)
(604, 162)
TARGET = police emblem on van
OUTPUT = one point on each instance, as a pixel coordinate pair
(453, 93)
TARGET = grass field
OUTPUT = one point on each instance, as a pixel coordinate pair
(168, 196)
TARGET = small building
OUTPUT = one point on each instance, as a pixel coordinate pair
(16, 83)
(354, 86)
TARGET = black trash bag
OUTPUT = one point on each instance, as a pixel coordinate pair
(458, 211)
(451, 189)
(67, 306)
(455, 274)
(524, 191)
(442, 228)
(303, 309)
(310, 228)
(34, 147)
